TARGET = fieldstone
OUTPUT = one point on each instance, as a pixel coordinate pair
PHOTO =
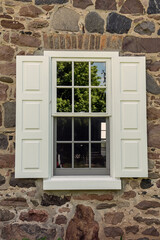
(132, 229)
(143, 238)
(34, 215)
(153, 113)
(30, 11)
(48, 200)
(153, 175)
(5, 16)
(148, 221)
(65, 19)
(22, 183)
(12, 24)
(151, 231)
(102, 197)
(94, 23)
(7, 161)
(146, 183)
(113, 218)
(145, 28)
(9, 114)
(154, 7)
(144, 205)
(82, 3)
(153, 66)
(129, 8)
(152, 86)
(14, 202)
(42, 2)
(158, 183)
(48, 8)
(113, 232)
(38, 24)
(158, 32)
(105, 206)
(106, 5)
(82, 225)
(129, 194)
(3, 142)
(64, 209)
(2, 180)
(3, 91)
(23, 0)
(6, 79)
(6, 53)
(6, 215)
(117, 23)
(153, 136)
(29, 231)
(0, 116)
(61, 219)
(152, 212)
(25, 40)
(8, 69)
(143, 45)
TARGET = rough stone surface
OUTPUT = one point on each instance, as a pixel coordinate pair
(6, 215)
(6, 53)
(113, 218)
(61, 219)
(3, 91)
(151, 231)
(65, 19)
(25, 40)
(94, 23)
(6, 79)
(153, 66)
(132, 229)
(113, 232)
(82, 3)
(22, 183)
(158, 183)
(105, 206)
(151, 85)
(154, 7)
(3, 141)
(106, 5)
(129, 8)
(10, 114)
(129, 194)
(12, 24)
(30, 11)
(146, 183)
(7, 161)
(144, 205)
(117, 23)
(148, 221)
(8, 69)
(41, 2)
(145, 28)
(2, 180)
(98, 197)
(153, 113)
(34, 215)
(48, 200)
(38, 24)
(82, 225)
(14, 202)
(153, 136)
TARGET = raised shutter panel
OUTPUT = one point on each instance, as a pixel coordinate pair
(130, 115)
(32, 117)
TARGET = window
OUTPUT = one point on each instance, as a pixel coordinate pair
(81, 119)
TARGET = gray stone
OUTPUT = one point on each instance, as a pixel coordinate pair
(94, 23)
(22, 183)
(10, 111)
(145, 28)
(146, 183)
(3, 142)
(65, 19)
(158, 32)
(154, 7)
(152, 86)
(117, 23)
(2, 180)
(43, 2)
(105, 206)
(6, 215)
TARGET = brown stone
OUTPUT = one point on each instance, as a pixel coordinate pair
(82, 225)
(34, 215)
(105, 206)
(5, 16)
(158, 183)
(38, 24)
(6, 215)
(113, 231)
(7, 161)
(0, 116)
(151, 232)
(106, 4)
(8, 69)
(144, 205)
(14, 202)
(148, 221)
(10, 10)
(82, 3)
(129, 194)
(64, 209)
(152, 212)
(25, 40)
(141, 45)
(153, 155)
(97, 197)
(30, 11)
(48, 200)
(153, 175)
(153, 136)
(132, 229)
(62, 41)
(12, 24)
(6, 79)
(68, 41)
(92, 42)
(3, 91)
(153, 66)
(47, 8)
(134, 184)
(153, 113)
(113, 218)
(130, 8)
(6, 37)
(61, 219)
(6, 53)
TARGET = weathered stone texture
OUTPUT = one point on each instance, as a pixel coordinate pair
(7, 161)
(61, 219)
(48, 200)
(41, 2)
(153, 66)
(38, 24)
(153, 136)
(113, 232)
(117, 23)
(105, 206)
(151, 85)
(94, 23)
(6, 79)
(148, 221)
(146, 183)
(30, 11)
(6, 53)
(8, 69)
(3, 91)
(151, 231)
(129, 194)
(132, 229)
(130, 8)
(3, 141)
(154, 7)
(144, 205)
(6, 215)
(25, 40)
(22, 183)
(113, 218)
(12, 24)
(82, 3)
(98, 197)
(14, 202)
(106, 4)
(34, 215)
(2, 180)
(145, 28)
(9, 114)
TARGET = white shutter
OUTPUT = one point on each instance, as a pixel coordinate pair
(130, 136)
(32, 117)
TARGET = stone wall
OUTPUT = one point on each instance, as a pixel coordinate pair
(28, 27)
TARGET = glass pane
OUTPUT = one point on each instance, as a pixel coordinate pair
(81, 129)
(64, 100)
(64, 129)
(64, 155)
(64, 73)
(81, 156)
(98, 129)
(98, 100)
(81, 100)
(98, 74)
(81, 73)
(98, 155)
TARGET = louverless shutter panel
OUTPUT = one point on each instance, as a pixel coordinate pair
(130, 115)
(32, 117)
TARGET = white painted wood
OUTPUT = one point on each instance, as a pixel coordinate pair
(130, 140)
(32, 117)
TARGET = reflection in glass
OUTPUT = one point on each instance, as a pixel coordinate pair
(81, 129)
(81, 156)
(98, 155)
(64, 129)
(98, 128)
(81, 100)
(98, 74)
(64, 155)
(81, 73)
(98, 100)
(64, 100)
(64, 73)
